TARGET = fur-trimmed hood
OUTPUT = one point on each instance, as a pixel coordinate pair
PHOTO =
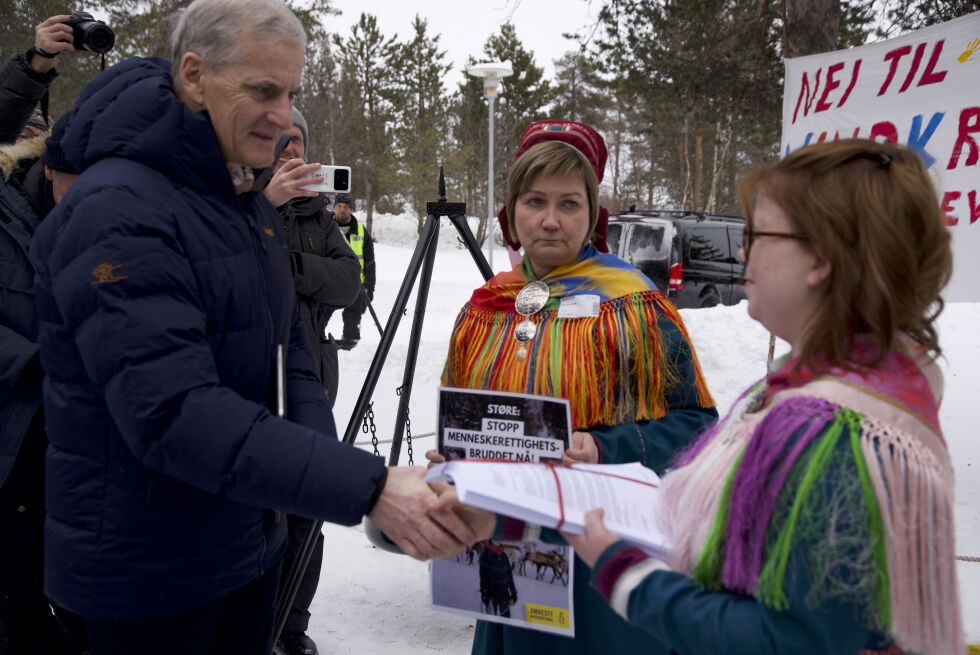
(12, 154)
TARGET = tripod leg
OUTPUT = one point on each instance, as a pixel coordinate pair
(374, 314)
(469, 241)
(426, 241)
(425, 244)
(413, 350)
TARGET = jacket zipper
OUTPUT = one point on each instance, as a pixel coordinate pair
(276, 515)
(258, 242)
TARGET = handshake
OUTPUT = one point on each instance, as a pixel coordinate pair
(427, 521)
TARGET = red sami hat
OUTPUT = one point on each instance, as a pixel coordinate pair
(583, 138)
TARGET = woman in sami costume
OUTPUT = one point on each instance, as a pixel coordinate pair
(818, 516)
(598, 333)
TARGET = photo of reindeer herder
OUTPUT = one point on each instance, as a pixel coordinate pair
(497, 588)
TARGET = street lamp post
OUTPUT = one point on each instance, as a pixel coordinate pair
(492, 73)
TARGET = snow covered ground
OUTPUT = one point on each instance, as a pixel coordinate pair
(370, 601)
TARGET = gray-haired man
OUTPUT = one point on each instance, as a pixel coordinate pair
(164, 294)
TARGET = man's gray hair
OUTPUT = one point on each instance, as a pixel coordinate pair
(217, 29)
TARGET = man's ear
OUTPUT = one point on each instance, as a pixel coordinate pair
(191, 80)
(49, 173)
(820, 272)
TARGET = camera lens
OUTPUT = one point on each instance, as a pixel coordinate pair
(90, 34)
(341, 180)
(99, 38)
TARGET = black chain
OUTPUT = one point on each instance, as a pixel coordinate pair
(408, 435)
(368, 424)
(408, 430)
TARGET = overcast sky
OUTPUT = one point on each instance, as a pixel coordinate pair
(465, 25)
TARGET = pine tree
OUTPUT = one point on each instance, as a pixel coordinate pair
(318, 100)
(367, 86)
(578, 92)
(421, 120)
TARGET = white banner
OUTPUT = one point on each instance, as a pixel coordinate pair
(921, 89)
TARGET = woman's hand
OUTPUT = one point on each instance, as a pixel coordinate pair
(434, 457)
(583, 451)
(597, 538)
(285, 184)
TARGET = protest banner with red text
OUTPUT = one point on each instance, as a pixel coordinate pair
(921, 89)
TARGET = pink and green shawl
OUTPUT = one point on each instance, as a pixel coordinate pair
(852, 463)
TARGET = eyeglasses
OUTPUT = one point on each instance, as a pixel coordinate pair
(750, 235)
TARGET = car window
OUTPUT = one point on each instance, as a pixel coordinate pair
(709, 244)
(735, 239)
(615, 230)
(648, 242)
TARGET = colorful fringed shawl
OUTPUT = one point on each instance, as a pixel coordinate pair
(852, 468)
(614, 368)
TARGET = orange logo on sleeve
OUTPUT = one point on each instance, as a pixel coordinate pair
(105, 272)
(269, 231)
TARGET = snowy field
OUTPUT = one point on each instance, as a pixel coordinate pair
(370, 601)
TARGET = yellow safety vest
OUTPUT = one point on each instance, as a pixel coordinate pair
(356, 238)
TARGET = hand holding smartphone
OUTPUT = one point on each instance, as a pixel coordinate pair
(336, 179)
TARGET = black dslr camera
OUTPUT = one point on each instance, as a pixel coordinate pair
(90, 34)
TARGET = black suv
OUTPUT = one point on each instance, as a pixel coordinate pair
(691, 255)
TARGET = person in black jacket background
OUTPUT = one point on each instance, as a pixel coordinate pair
(326, 275)
(27, 624)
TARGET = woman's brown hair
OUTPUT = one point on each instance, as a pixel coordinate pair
(872, 211)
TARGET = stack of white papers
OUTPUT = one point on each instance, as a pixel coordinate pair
(559, 496)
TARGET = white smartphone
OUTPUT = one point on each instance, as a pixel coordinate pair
(336, 179)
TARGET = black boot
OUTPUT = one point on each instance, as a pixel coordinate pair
(296, 643)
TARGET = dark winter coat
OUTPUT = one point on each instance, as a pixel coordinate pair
(326, 274)
(20, 369)
(162, 296)
(21, 87)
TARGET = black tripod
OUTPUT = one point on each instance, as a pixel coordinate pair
(422, 259)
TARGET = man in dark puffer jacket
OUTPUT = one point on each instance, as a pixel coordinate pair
(163, 291)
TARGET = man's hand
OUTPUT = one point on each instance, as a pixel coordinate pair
(480, 521)
(284, 185)
(597, 538)
(52, 36)
(407, 513)
(434, 457)
(583, 451)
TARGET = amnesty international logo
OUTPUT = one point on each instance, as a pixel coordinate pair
(105, 272)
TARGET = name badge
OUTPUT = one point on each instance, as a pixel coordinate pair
(580, 306)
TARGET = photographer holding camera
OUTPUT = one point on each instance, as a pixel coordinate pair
(25, 78)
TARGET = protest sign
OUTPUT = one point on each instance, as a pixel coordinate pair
(528, 583)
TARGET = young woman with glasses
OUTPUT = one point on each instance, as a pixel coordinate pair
(818, 516)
